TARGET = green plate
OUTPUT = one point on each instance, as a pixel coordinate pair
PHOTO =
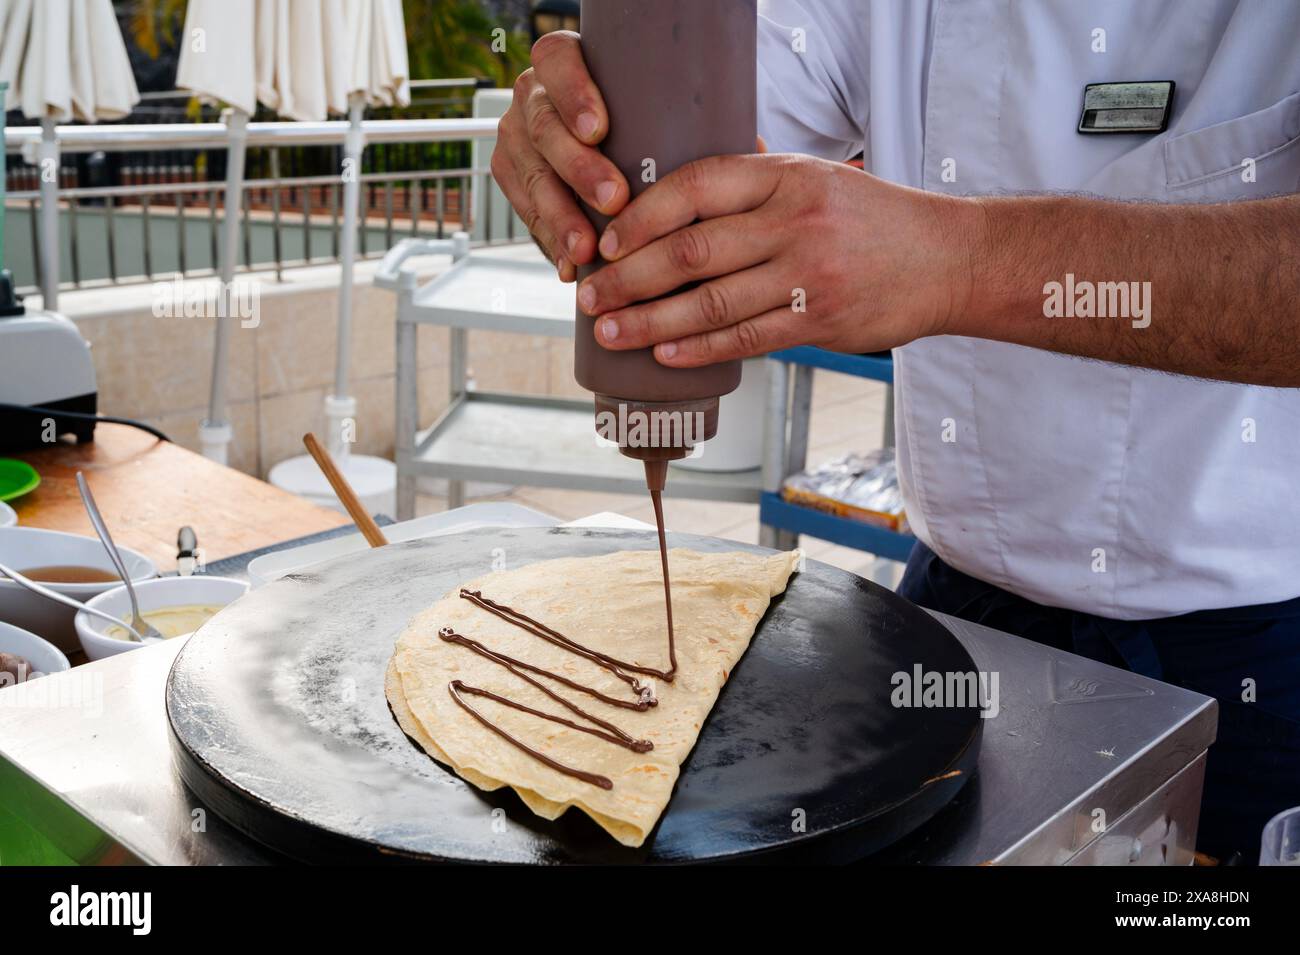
(16, 478)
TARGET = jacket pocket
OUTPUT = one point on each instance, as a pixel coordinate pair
(1208, 164)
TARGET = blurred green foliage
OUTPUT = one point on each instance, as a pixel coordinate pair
(444, 38)
(457, 38)
(152, 23)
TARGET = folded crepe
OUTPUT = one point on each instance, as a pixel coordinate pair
(613, 604)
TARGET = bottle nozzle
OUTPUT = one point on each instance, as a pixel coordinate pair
(656, 474)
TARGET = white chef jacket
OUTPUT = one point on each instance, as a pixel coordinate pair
(1117, 491)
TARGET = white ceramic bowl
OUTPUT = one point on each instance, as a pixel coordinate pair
(8, 516)
(25, 547)
(153, 595)
(41, 654)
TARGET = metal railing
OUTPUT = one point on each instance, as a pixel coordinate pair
(398, 202)
(430, 99)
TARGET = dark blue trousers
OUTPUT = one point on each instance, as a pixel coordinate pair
(1253, 768)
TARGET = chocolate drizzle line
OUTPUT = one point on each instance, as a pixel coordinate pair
(537, 628)
(608, 731)
(615, 735)
(456, 687)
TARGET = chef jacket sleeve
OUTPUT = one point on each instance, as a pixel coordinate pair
(812, 76)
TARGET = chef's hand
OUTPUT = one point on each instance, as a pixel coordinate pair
(546, 151)
(788, 250)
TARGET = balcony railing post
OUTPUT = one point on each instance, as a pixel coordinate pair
(48, 166)
(353, 144)
(215, 431)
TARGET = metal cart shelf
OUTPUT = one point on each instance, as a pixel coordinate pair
(497, 437)
(467, 443)
(786, 451)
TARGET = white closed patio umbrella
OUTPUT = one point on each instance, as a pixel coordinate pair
(376, 73)
(64, 60)
(241, 52)
(303, 59)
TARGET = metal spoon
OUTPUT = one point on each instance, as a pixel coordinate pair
(67, 601)
(138, 623)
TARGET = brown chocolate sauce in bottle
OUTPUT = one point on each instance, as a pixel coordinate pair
(679, 81)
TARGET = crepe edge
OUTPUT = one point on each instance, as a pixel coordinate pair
(625, 833)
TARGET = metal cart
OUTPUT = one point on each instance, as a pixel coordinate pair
(500, 437)
(789, 403)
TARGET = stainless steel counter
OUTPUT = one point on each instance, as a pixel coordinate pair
(1082, 763)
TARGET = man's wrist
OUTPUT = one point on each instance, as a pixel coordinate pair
(1004, 257)
(969, 256)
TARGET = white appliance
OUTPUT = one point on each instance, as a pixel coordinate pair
(44, 362)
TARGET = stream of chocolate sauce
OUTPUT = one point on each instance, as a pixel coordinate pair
(656, 497)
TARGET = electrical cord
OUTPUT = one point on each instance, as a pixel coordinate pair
(84, 416)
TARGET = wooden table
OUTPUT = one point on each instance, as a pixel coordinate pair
(147, 489)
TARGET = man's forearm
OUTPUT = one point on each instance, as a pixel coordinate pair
(1205, 290)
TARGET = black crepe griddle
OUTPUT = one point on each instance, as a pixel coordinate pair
(280, 724)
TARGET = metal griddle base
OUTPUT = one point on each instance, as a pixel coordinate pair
(95, 778)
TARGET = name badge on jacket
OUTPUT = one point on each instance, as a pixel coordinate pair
(1126, 107)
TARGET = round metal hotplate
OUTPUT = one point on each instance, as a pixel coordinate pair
(280, 723)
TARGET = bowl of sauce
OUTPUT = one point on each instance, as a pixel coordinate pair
(70, 574)
(170, 621)
(72, 564)
(175, 606)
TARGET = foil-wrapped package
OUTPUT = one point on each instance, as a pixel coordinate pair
(861, 487)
